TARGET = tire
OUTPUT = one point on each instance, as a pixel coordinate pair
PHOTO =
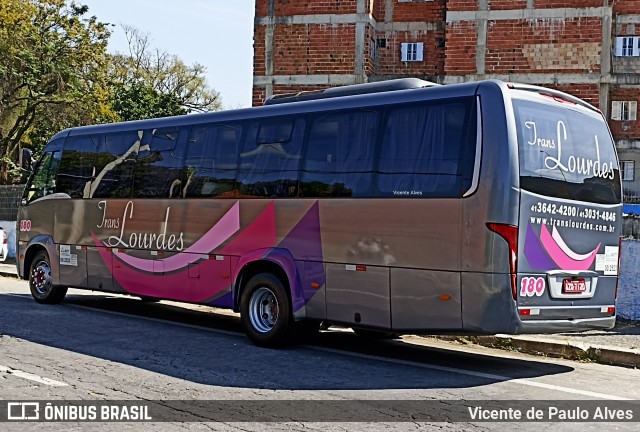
(265, 311)
(40, 283)
(375, 334)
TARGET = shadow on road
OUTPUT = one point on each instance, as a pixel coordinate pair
(222, 358)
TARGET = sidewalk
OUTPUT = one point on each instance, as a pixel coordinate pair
(8, 268)
(619, 346)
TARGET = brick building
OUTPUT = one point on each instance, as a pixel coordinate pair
(589, 48)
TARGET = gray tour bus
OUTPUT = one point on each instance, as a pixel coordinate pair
(392, 207)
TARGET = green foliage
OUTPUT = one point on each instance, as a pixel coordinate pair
(53, 62)
(139, 101)
(56, 73)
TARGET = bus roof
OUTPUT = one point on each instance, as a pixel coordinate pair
(346, 97)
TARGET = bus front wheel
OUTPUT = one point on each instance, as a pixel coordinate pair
(40, 283)
(265, 311)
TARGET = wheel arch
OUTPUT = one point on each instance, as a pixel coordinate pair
(277, 262)
(37, 244)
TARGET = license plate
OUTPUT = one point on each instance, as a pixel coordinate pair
(574, 286)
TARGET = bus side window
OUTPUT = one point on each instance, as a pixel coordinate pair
(340, 154)
(421, 154)
(115, 163)
(43, 181)
(211, 161)
(158, 168)
(270, 158)
(77, 165)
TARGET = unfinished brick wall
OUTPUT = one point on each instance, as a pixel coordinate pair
(555, 4)
(625, 6)
(314, 49)
(432, 11)
(506, 4)
(587, 92)
(297, 7)
(461, 45)
(531, 46)
(259, 60)
(462, 5)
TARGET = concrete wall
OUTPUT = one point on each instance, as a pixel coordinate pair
(629, 286)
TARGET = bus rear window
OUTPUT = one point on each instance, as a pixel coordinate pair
(565, 153)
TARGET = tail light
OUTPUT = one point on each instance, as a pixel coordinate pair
(510, 234)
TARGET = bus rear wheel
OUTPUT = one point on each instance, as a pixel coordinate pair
(265, 311)
(40, 282)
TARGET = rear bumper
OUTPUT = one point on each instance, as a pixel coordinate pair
(565, 325)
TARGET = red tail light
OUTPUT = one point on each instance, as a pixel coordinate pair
(510, 234)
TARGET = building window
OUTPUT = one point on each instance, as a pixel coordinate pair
(411, 51)
(628, 46)
(624, 110)
(627, 169)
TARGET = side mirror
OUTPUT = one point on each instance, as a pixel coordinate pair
(25, 160)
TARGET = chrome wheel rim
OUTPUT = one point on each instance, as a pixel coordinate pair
(41, 278)
(263, 310)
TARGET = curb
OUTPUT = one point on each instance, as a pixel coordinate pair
(8, 270)
(570, 350)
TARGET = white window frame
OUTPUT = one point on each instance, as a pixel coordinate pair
(411, 51)
(624, 110)
(627, 170)
(628, 46)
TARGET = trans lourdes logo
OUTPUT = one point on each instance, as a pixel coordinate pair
(162, 241)
(573, 164)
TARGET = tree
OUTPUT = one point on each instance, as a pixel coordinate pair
(149, 82)
(53, 64)
(138, 101)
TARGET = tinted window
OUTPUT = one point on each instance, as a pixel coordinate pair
(77, 165)
(212, 159)
(114, 165)
(271, 168)
(428, 150)
(43, 181)
(158, 168)
(340, 154)
(566, 153)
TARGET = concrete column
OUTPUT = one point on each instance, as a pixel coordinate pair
(361, 43)
(388, 10)
(605, 60)
(269, 46)
(481, 41)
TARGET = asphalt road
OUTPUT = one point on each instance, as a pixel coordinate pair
(101, 347)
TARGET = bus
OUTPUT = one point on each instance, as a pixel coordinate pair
(392, 207)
